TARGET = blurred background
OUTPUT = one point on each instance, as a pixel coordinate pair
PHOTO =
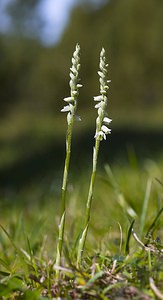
(37, 39)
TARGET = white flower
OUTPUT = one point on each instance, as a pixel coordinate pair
(105, 129)
(74, 93)
(69, 117)
(74, 86)
(101, 135)
(107, 120)
(98, 105)
(101, 74)
(65, 109)
(100, 112)
(98, 98)
(102, 121)
(69, 99)
(98, 121)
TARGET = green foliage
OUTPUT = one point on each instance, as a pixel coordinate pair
(123, 257)
(131, 32)
(34, 77)
(26, 266)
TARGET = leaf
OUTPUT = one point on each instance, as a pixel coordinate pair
(127, 248)
(17, 249)
(4, 264)
(94, 279)
(153, 225)
(13, 284)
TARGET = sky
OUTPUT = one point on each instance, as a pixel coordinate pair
(55, 14)
(4, 20)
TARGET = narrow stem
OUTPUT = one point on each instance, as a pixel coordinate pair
(64, 189)
(145, 206)
(70, 108)
(101, 132)
(89, 203)
(92, 182)
(67, 163)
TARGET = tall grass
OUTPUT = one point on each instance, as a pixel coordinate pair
(133, 268)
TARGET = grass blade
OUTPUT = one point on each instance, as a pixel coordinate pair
(145, 206)
(12, 242)
(120, 197)
(154, 223)
(127, 248)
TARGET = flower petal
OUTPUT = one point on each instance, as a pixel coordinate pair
(98, 98)
(74, 93)
(69, 99)
(103, 92)
(69, 116)
(77, 118)
(66, 109)
(72, 76)
(100, 111)
(105, 129)
(101, 74)
(71, 108)
(98, 105)
(101, 135)
(107, 120)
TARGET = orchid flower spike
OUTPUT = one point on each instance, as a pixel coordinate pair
(71, 101)
(102, 120)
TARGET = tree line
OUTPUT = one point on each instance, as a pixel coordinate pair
(35, 77)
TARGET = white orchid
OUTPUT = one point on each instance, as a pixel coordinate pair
(70, 108)
(71, 101)
(102, 120)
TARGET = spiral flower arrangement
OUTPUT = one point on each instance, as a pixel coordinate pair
(102, 129)
(70, 108)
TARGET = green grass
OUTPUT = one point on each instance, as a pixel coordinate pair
(111, 269)
(38, 130)
(120, 257)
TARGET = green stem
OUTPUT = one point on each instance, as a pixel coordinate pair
(70, 108)
(145, 206)
(92, 182)
(67, 163)
(101, 131)
(89, 203)
(64, 189)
